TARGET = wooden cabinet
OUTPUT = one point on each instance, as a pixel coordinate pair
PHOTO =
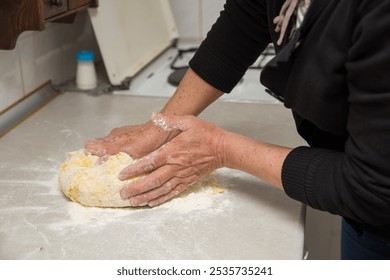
(74, 4)
(17, 16)
(53, 8)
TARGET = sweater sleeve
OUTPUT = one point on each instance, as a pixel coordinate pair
(234, 43)
(354, 183)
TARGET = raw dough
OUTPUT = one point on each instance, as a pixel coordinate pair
(86, 181)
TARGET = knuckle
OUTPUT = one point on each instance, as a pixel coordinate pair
(184, 173)
(148, 167)
(168, 185)
(166, 188)
(156, 182)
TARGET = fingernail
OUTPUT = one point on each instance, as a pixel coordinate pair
(122, 177)
(124, 194)
(136, 202)
(133, 202)
(152, 204)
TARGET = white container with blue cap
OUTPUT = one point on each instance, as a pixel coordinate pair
(86, 75)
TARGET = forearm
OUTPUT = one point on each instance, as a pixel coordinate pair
(260, 159)
(192, 96)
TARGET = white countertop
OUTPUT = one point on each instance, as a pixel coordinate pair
(250, 220)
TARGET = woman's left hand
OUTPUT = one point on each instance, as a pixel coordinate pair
(195, 152)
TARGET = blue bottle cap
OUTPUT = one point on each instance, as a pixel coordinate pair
(85, 56)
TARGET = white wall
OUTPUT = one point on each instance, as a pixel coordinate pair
(194, 18)
(42, 56)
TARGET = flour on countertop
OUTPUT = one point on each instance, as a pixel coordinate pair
(203, 197)
(198, 196)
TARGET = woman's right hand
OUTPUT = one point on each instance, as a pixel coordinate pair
(135, 140)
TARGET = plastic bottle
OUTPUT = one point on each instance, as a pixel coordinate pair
(86, 74)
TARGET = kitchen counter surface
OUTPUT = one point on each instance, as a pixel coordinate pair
(248, 220)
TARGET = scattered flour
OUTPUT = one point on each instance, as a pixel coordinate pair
(203, 197)
(198, 196)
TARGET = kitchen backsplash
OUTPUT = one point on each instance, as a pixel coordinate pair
(50, 54)
(40, 56)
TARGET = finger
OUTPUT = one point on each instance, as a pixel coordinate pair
(144, 165)
(144, 199)
(101, 147)
(152, 181)
(99, 140)
(102, 159)
(174, 192)
(95, 147)
(116, 134)
(133, 151)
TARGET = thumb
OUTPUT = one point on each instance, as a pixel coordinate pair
(169, 123)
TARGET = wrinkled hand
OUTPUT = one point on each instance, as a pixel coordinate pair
(194, 153)
(137, 141)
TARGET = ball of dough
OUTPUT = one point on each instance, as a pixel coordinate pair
(84, 179)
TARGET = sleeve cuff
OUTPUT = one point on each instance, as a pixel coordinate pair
(214, 70)
(298, 174)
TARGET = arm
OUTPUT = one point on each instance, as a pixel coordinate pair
(218, 65)
(200, 148)
(192, 96)
(234, 43)
(257, 158)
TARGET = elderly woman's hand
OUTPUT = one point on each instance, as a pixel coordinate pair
(194, 153)
(136, 140)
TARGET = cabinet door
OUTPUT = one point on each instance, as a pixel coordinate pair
(74, 4)
(54, 7)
